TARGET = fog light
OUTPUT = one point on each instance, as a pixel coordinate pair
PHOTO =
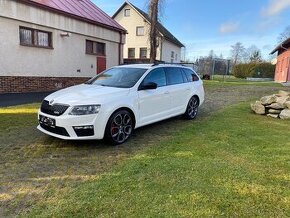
(82, 131)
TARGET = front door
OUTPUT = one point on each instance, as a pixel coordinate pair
(154, 105)
(101, 64)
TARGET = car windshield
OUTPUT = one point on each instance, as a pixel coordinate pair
(118, 77)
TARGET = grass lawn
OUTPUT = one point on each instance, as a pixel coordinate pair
(231, 80)
(226, 163)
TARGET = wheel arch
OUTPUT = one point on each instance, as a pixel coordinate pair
(196, 96)
(127, 109)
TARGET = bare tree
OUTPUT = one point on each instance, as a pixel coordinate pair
(252, 54)
(237, 52)
(256, 57)
(153, 35)
(284, 35)
(211, 54)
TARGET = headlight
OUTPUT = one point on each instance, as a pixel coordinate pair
(85, 110)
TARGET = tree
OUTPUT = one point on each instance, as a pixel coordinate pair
(284, 35)
(252, 54)
(153, 35)
(237, 53)
(256, 57)
(211, 54)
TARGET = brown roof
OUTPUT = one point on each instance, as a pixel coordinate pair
(285, 44)
(80, 9)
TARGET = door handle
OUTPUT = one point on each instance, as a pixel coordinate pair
(167, 93)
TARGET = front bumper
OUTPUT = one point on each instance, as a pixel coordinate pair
(64, 126)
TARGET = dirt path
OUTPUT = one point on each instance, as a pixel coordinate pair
(34, 166)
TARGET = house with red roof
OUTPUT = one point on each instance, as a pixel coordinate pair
(46, 45)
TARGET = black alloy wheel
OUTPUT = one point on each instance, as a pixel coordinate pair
(120, 127)
(192, 108)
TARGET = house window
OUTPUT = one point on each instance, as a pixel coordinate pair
(95, 48)
(172, 56)
(131, 53)
(143, 53)
(34, 37)
(127, 12)
(140, 31)
(176, 57)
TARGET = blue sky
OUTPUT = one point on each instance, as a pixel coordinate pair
(203, 25)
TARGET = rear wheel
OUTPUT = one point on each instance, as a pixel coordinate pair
(192, 108)
(119, 127)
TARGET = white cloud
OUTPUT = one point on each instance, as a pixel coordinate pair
(229, 27)
(275, 7)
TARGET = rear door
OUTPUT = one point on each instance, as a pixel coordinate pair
(154, 105)
(178, 88)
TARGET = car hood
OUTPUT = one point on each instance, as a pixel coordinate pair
(86, 94)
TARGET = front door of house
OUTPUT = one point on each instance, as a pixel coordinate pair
(101, 64)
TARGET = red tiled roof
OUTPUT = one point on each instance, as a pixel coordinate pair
(81, 9)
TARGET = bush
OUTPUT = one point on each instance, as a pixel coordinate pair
(257, 70)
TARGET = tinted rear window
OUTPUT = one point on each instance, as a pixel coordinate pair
(174, 75)
(190, 75)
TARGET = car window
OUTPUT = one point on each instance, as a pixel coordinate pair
(190, 75)
(174, 76)
(157, 76)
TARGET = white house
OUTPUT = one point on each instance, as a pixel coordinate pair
(47, 45)
(137, 46)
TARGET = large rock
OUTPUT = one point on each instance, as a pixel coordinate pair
(287, 104)
(276, 116)
(285, 114)
(283, 93)
(276, 106)
(258, 108)
(273, 111)
(268, 100)
(281, 100)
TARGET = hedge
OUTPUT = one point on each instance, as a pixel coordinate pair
(256, 70)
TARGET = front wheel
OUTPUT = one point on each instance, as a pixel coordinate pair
(119, 127)
(192, 108)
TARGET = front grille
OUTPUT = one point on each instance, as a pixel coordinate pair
(56, 130)
(56, 109)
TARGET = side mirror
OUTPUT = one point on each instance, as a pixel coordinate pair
(148, 86)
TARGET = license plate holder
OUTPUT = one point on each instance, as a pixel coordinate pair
(47, 121)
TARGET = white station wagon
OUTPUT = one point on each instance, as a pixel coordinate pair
(119, 100)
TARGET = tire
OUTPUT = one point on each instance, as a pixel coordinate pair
(192, 108)
(119, 127)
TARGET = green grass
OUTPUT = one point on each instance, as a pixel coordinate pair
(233, 81)
(233, 164)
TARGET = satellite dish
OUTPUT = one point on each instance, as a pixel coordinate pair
(274, 61)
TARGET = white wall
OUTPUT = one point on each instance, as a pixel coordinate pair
(68, 53)
(167, 48)
(133, 41)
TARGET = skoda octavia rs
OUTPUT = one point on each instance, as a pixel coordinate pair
(119, 100)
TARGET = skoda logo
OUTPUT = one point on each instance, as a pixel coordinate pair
(51, 102)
